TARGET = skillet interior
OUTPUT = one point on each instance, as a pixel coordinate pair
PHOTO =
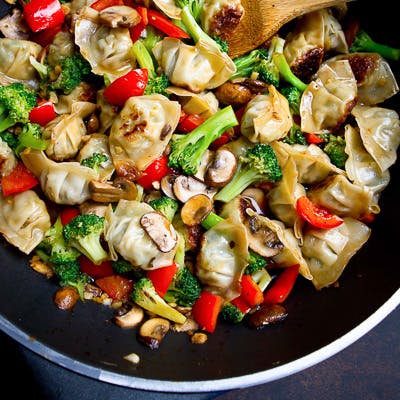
(315, 320)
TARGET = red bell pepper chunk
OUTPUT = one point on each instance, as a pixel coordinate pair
(154, 172)
(206, 309)
(43, 14)
(18, 180)
(241, 305)
(67, 214)
(46, 37)
(316, 215)
(190, 122)
(136, 31)
(239, 115)
(251, 292)
(131, 84)
(43, 113)
(283, 285)
(162, 278)
(165, 25)
(116, 286)
(223, 139)
(100, 5)
(312, 138)
(95, 271)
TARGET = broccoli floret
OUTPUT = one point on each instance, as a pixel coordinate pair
(166, 206)
(74, 69)
(94, 161)
(184, 290)
(187, 150)
(364, 43)
(223, 44)
(31, 136)
(286, 73)
(295, 135)
(16, 102)
(53, 248)
(246, 64)
(10, 138)
(145, 295)
(156, 83)
(191, 10)
(84, 233)
(256, 262)
(230, 313)
(69, 274)
(259, 163)
(335, 148)
(151, 38)
(124, 267)
(294, 98)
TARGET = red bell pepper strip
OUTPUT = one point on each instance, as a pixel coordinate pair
(223, 139)
(206, 309)
(43, 14)
(283, 285)
(43, 113)
(116, 286)
(154, 172)
(316, 215)
(241, 305)
(131, 84)
(136, 31)
(165, 25)
(239, 115)
(189, 123)
(100, 5)
(67, 214)
(18, 180)
(46, 37)
(312, 138)
(162, 278)
(251, 292)
(95, 271)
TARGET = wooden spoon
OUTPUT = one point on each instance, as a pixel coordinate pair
(263, 18)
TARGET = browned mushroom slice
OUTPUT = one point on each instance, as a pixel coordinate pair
(92, 207)
(222, 168)
(66, 298)
(119, 17)
(129, 318)
(160, 231)
(153, 331)
(267, 314)
(186, 187)
(167, 183)
(196, 209)
(257, 198)
(108, 192)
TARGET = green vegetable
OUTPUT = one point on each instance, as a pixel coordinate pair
(295, 135)
(187, 150)
(156, 83)
(286, 73)
(211, 220)
(53, 247)
(124, 267)
(94, 161)
(184, 290)
(84, 233)
(16, 102)
(256, 262)
(293, 95)
(335, 148)
(364, 43)
(145, 296)
(230, 313)
(247, 63)
(259, 163)
(31, 136)
(10, 138)
(223, 44)
(166, 206)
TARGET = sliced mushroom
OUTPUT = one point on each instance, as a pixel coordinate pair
(196, 209)
(66, 298)
(167, 185)
(257, 198)
(186, 187)
(267, 314)
(119, 17)
(153, 331)
(92, 207)
(108, 192)
(222, 168)
(160, 231)
(129, 319)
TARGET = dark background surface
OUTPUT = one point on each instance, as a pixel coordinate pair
(367, 369)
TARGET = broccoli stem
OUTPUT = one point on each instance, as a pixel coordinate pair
(243, 178)
(211, 220)
(6, 123)
(363, 42)
(286, 73)
(91, 247)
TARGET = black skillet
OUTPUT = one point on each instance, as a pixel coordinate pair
(319, 323)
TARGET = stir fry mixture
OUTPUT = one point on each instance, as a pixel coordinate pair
(145, 169)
